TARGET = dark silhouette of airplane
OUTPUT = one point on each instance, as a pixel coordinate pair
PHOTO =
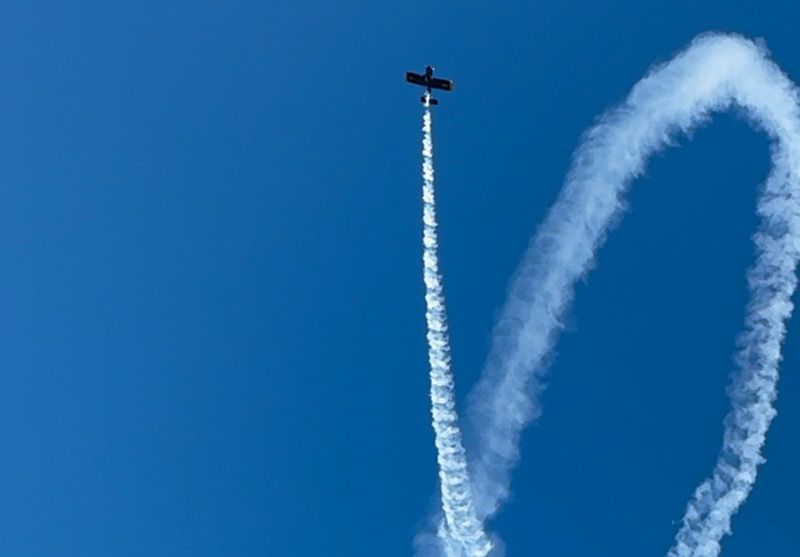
(429, 82)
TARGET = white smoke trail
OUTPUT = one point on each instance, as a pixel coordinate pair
(462, 530)
(714, 73)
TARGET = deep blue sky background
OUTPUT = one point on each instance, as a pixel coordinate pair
(211, 315)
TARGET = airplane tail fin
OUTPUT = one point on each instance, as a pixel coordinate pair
(431, 100)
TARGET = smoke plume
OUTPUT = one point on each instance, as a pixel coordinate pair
(715, 73)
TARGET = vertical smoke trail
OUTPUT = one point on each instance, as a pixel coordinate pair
(714, 73)
(461, 524)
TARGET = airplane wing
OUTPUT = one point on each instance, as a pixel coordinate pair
(443, 84)
(415, 78)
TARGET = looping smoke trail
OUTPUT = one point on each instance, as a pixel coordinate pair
(714, 73)
(461, 523)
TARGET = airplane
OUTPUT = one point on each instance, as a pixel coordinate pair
(429, 82)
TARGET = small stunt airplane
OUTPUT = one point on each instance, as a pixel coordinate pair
(429, 82)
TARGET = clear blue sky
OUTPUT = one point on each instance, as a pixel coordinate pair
(211, 327)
